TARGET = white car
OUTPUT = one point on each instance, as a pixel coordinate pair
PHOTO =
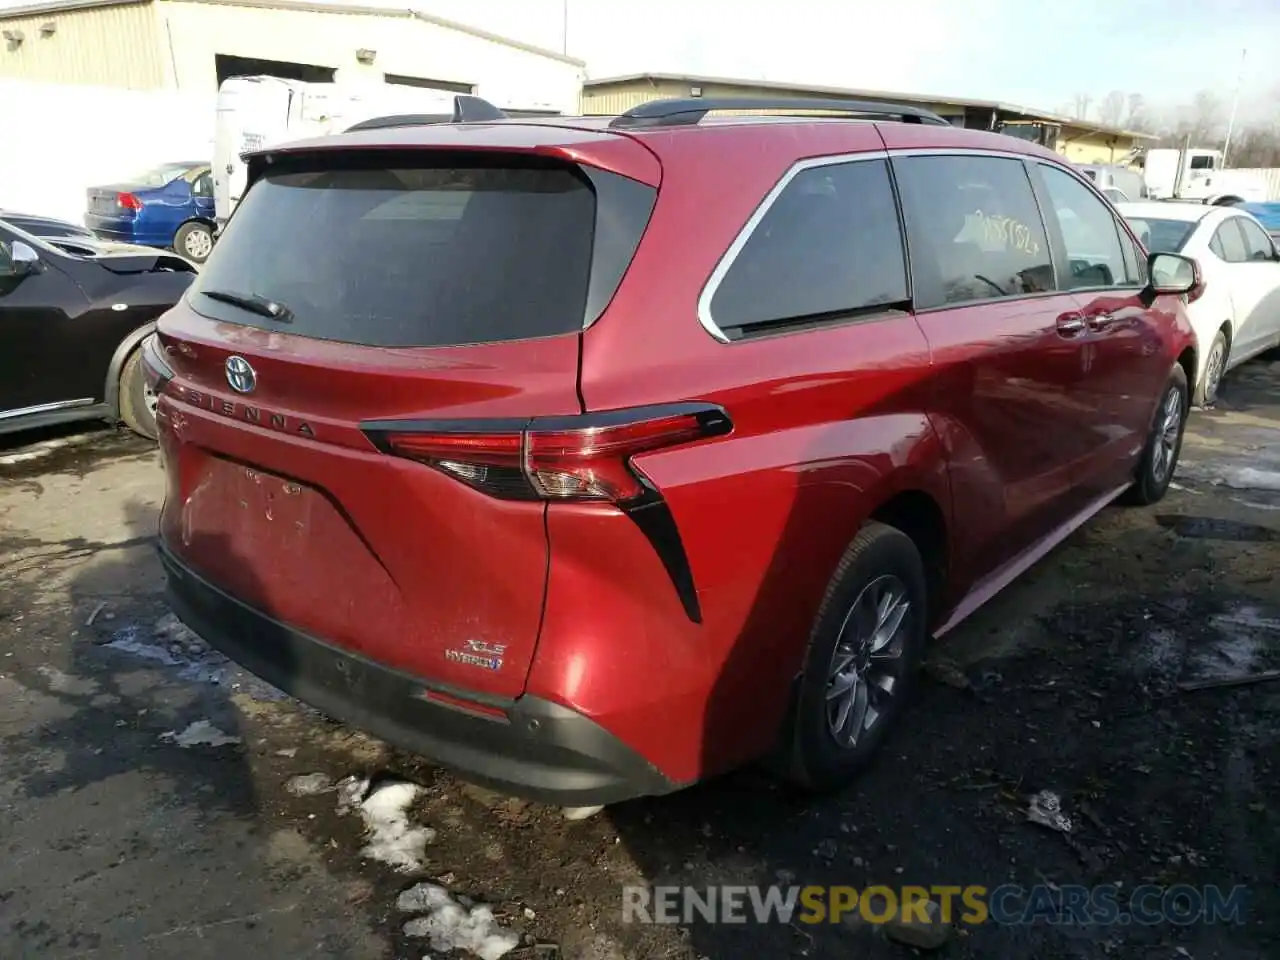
(1237, 316)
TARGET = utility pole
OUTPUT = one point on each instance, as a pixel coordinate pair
(564, 33)
(1235, 106)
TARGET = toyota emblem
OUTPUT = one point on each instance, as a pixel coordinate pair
(240, 375)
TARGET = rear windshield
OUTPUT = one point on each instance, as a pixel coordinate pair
(410, 256)
(160, 176)
(1161, 236)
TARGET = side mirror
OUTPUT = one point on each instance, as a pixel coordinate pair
(23, 260)
(1172, 273)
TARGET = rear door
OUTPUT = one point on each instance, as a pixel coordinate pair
(1009, 351)
(357, 287)
(40, 363)
(1257, 279)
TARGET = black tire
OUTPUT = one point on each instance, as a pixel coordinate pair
(1219, 353)
(138, 415)
(1157, 467)
(880, 555)
(194, 235)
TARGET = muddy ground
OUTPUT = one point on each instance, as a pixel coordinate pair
(121, 842)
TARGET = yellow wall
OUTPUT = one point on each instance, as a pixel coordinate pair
(1080, 146)
(117, 46)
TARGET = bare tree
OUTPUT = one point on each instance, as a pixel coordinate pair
(1111, 109)
(1135, 117)
(1080, 107)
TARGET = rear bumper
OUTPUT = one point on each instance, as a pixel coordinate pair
(126, 231)
(541, 750)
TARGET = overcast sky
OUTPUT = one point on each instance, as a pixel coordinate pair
(1021, 51)
(1035, 54)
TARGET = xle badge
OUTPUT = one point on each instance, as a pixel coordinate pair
(487, 656)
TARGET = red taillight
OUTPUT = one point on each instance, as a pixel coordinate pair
(155, 370)
(584, 457)
(127, 201)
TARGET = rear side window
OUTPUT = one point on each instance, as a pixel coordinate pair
(1228, 242)
(975, 229)
(828, 247)
(1256, 242)
(400, 256)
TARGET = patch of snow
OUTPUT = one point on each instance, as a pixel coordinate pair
(449, 926)
(392, 839)
(127, 641)
(287, 752)
(1251, 478)
(60, 682)
(36, 451)
(1046, 810)
(309, 784)
(200, 733)
(351, 791)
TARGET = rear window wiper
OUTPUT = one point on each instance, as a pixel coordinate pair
(262, 306)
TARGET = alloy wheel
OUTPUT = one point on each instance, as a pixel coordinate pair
(1213, 371)
(1169, 430)
(868, 664)
(198, 244)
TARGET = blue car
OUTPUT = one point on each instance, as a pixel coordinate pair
(168, 206)
(1267, 214)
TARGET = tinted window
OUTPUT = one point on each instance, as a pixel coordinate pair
(828, 246)
(1228, 242)
(414, 256)
(1202, 163)
(1162, 236)
(974, 228)
(203, 185)
(159, 176)
(1256, 242)
(1089, 232)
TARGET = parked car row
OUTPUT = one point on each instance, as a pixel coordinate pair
(1236, 315)
(168, 206)
(73, 313)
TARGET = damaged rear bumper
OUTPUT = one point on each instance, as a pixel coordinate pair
(527, 747)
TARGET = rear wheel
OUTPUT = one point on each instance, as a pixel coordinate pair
(863, 656)
(194, 241)
(137, 400)
(1164, 444)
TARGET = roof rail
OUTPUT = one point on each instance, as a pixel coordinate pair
(678, 112)
(466, 109)
(400, 120)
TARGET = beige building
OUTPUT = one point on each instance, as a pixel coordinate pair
(192, 45)
(1077, 140)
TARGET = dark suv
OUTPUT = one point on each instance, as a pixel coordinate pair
(591, 457)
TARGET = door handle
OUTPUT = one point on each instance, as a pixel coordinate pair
(1069, 324)
(1100, 321)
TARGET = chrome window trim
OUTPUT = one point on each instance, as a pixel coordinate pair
(46, 408)
(744, 235)
(1120, 223)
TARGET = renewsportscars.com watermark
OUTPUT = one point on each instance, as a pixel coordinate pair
(1008, 904)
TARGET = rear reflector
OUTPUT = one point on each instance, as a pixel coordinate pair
(155, 370)
(587, 457)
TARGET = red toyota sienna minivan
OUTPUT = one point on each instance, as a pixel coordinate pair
(591, 457)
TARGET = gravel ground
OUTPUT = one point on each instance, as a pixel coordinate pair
(129, 834)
